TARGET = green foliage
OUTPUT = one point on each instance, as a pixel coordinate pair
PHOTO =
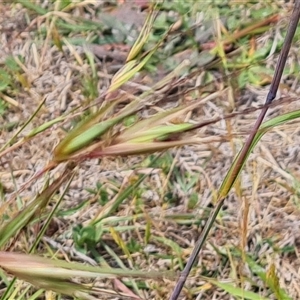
(5, 80)
(86, 237)
(3, 108)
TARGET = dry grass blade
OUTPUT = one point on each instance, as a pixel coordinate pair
(134, 63)
(143, 36)
(58, 275)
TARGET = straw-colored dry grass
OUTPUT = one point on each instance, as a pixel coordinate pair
(261, 215)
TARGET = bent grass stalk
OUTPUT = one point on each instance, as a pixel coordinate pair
(242, 156)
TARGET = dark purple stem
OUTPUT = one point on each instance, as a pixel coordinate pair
(270, 97)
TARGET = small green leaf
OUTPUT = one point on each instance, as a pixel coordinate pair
(12, 64)
(5, 80)
(236, 291)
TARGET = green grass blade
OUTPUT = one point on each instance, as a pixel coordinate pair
(28, 4)
(259, 271)
(159, 133)
(14, 225)
(236, 291)
(24, 125)
(266, 126)
(112, 206)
